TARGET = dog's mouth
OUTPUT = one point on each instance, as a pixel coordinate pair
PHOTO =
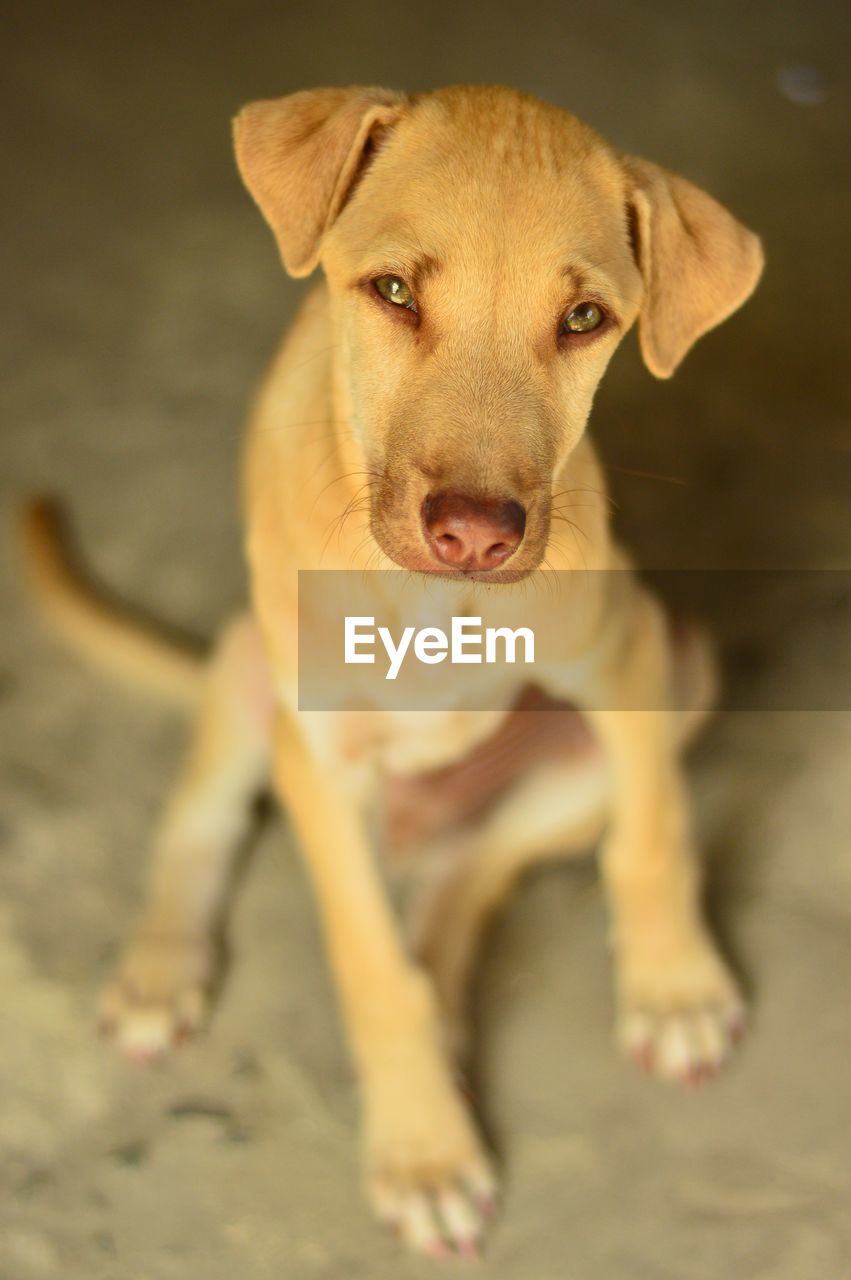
(494, 577)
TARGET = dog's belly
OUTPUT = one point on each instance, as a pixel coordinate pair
(419, 806)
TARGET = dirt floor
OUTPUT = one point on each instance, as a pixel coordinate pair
(143, 296)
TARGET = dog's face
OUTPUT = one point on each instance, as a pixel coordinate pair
(485, 253)
(481, 278)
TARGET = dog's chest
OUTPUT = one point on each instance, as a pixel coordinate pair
(408, 744)
(439, 770)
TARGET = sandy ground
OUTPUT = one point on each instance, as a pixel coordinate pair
(143, 297)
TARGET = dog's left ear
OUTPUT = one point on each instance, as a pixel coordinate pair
(301, 155)
(698, 263)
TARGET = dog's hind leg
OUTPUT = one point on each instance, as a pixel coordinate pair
(551, 814)
(161, 990)
(556, 811)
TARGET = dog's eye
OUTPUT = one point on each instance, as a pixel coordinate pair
(394, 290)
(583, 319)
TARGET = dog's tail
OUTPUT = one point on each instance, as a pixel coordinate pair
(115, 636)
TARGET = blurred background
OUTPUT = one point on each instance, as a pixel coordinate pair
(142, 296)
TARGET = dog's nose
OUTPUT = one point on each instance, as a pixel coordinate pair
(473, 533)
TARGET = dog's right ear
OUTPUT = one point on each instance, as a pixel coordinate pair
(300, 157)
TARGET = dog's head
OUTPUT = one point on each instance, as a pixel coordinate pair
(485, 253)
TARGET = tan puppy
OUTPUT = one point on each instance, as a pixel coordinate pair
(483, 254)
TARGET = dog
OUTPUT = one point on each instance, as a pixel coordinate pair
(483, 255)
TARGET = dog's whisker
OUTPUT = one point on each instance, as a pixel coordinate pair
(646, 475)
(356, 504)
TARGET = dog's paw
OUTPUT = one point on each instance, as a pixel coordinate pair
(433, 1185)
(159, 997)
(680, 1019)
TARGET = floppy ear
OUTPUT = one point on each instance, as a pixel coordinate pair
(699, 264)
(300, 157)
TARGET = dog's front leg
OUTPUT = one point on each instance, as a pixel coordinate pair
(680, 1009)
(426, 1171)
(161, 991)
